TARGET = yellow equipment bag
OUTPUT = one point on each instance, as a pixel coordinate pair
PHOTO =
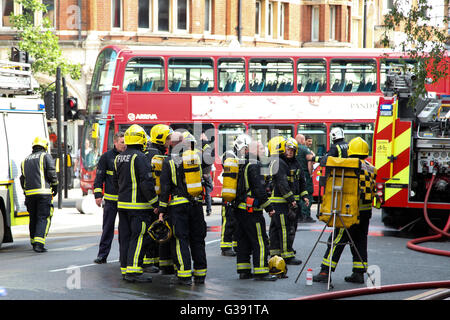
(157, 162)
(192, 172)
(230, 177)
(341, 192)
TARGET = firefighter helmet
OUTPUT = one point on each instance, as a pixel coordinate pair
(242, 140)
(336, 134)
(188, 137)
(358, 147)
(291, 143)
(160, 231)
(277, 266)
(159, 134)
(136, 135)
(42, 142)
(277, 145)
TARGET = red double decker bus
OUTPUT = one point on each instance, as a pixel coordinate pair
(223, 92)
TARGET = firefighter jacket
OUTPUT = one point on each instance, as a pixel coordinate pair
(251, 192)
(38, 174)
(104, 175)
(133, 180)
(367, 185)
(339, 149)
(296, 179)
(173, 185)
(154, 149)
(282, 191)
(207, 157)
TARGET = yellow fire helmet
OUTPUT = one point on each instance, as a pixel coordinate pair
(160, 231)
(291, 143)
(159, 134)
(135, 135)
(358, 147)
(277, 145)
(39, 141)
(277, 266)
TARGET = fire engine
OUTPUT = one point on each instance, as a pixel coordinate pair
(22, 118)
(412, 154)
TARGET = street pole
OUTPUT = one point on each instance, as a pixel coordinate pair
(66, 178)
(58, 128)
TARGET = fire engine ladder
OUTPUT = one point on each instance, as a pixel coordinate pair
(15, 78)
(337, 198)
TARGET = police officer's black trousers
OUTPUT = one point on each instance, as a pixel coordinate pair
(133, 239)
(189, 228)
(280, 244)
(228, 238)
(358, 232)
(152, 253)
(40, 209)
(252, 240)
(109, 219)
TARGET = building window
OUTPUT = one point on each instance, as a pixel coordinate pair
(182, 15)
(332, 29)
(258, 18)
(50, 14)
(207, 22)
(163, 15)
(315, 24)
(270, 20)
(281, 21)
(116, 9)
(144, 14)
(7, 10)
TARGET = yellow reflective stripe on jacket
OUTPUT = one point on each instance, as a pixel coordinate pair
(113, 197)
(278, 200)
(134, 205)
(37, 191)
(178, 200)
(243, 206)
(287, 195)
(173, 172)
(304, 193)
(98, 190)
(133, 180)
(41, 168)
(110, 172)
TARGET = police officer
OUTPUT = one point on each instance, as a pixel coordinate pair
(186, 214)
(160, 135)
(228, 241)
(251, 200)
(357, 148)
(297, 182)
(104, 177)
(39, 182)
(136, 195)
(283, 199)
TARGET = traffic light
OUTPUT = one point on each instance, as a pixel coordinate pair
(49, 101)
(70, 108)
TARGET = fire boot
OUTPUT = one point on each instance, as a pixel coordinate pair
(322, 276)
(356, 277)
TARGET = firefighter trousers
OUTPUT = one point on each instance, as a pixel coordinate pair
(151, 257)
(40, 209)
(280, 224)
(252, 240)
(189, 229)
(166, 261)
(227, 237)
(133, 239)
(358, 232)
(109, 219)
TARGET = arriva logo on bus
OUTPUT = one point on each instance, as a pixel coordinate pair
(142, 116)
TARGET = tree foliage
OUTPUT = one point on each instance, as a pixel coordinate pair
(423, 41)
(41, 42)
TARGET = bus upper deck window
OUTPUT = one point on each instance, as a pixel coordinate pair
(353, 75)
(231, 74)
(144, 74)
(311, 75)
(271, 74)
(191, 74)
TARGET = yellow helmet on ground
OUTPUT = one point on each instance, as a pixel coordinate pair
(358, 147)
(39, 141)
(159, 133)
(277, 266)
(291, 143)
(135, 135)
(277, 145)
(160, 231)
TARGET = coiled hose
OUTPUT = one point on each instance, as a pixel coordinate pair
(412, 244)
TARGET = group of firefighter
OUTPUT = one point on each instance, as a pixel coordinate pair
(155, 184)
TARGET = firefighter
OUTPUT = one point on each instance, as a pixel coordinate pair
(228, 241)
(136, 195)
(39, 182)
(185, 211)
(357, 148)
(338, 148)
(283, 199)
(251, 200)
(297, 182)
(104, 177)
(207, 169)
(160, 135)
